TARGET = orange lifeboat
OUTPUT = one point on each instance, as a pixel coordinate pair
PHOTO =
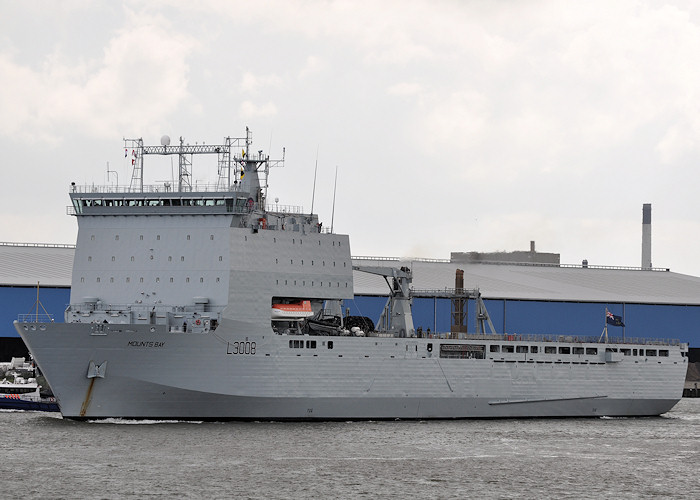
(293, 310)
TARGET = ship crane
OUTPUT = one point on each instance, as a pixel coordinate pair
(396, 317)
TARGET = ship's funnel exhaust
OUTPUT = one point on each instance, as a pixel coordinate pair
(646, 236)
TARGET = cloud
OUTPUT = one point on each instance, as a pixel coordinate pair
(251, 110)
(405, 89)
(141, 77)
(253, 84)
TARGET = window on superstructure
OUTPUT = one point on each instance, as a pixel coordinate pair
(211, 237)
(651, 352)
(626, 352)
(533, 349)
(221, 258)
(171, 280)
(201, 280)
(550, 349)
(578, 350)
(141, 237)
(98, 279)
(663, 353)
(188, 237)
(330, 344)
(495, 348)
(132, 258)
(311, 344)
(141, 279)
(521, 348)
(82, 280)
(565, 350)
(187, 280)
(507, 348)
(158, 237)
(592, 351)
(182, 258)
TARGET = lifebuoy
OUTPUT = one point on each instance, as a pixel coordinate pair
(198, 322)
(263, 222)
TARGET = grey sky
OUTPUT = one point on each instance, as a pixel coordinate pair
(455, 125)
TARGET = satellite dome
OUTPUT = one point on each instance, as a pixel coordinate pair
(165, 140)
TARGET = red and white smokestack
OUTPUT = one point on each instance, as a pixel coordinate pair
(646, 236)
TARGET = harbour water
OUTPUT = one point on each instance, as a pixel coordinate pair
(48, 457)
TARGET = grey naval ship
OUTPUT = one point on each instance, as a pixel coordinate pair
(207, 302)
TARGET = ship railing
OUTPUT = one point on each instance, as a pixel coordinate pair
(35, 318)
(276, 208)
(573, 339)
(166, 187)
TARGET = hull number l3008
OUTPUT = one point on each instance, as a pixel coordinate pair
(240, 348)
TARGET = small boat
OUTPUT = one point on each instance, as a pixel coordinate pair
(24, 394)
(292, 310)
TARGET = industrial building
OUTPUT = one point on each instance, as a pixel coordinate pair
(532, 294)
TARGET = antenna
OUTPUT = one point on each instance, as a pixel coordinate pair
(335, 183)
(112, 172)
(313, 194)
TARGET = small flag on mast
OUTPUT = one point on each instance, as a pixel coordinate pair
(613, 319)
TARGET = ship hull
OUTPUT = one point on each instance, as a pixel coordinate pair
(148, 372)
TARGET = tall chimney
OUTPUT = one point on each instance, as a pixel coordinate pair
(646, 236)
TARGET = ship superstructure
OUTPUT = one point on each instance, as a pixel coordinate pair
(207, 302)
